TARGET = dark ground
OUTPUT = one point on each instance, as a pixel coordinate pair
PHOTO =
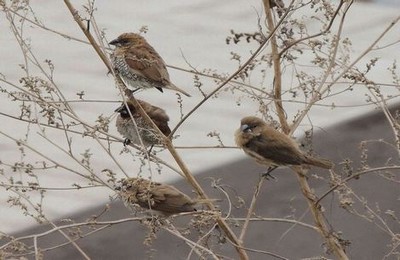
(280, 198)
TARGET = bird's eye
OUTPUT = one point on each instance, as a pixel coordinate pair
(123, 42)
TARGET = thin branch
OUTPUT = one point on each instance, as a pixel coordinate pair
(282, 220)
(194, 245)
(88, 35)
(331, 240)
(328, 28)
(61, 227)
(189, 177)
(44, 27)
(355, 176)
(228, 79)
(252, 207)
(316, 97)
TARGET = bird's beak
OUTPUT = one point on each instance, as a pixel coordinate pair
(244, 128)
(114, 42)
(120, 109)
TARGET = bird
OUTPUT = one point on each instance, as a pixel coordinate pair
(145, 132)
(272, 148)
(159, 197)
(139, 64)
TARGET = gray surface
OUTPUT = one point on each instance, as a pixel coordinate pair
(125, 241)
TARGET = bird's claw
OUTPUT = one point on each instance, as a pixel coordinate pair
(127, 142)
(267, 175)
(151, 148)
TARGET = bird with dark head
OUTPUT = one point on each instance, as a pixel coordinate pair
(151, 195)
(140, 66)
(272, 148)
(149, 136)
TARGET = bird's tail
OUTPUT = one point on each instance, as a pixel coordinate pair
(319, 162)
(173, 87)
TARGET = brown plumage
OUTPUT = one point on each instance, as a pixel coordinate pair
(271, 147)
(149, 136)
(139, 64)
(155, 196)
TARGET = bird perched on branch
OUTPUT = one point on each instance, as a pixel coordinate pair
(155, 196)
(149, 136)
(139, 64)
(272, 148)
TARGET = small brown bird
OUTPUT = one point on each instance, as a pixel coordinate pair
(155, 196)
(149, 136)
(139, 64)
(271, 147)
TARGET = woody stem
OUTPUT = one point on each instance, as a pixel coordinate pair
(331, 240)
(189, 177)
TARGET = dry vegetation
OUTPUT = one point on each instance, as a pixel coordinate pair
(284, 43)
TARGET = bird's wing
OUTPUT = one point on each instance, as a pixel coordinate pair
(147, 62)
(163, 126)
(169, 199)
(158, 115)
(161, 119)
(279, 152)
